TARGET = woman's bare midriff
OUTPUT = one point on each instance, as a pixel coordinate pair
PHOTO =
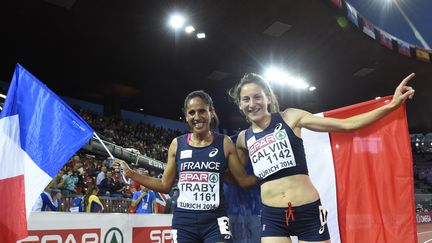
(297, 189)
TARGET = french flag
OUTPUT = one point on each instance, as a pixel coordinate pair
(38, 134)
(365, 177)
(352, 14)
(161, 201)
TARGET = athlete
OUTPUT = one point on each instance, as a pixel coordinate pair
(290, 203)
(199, 160)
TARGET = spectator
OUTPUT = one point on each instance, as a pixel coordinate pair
(119, 187)
(107, 186)
(57, 182)
(144, 201)
(109, 163)
(69, 182)
(78, 205)
(48, 201)
(173, 199)
(101, 175)
(92, 168)
(94, 205)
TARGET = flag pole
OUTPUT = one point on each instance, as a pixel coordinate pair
(103, 144)
(3, 97)
(112, 157)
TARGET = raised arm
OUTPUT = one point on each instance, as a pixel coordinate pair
(235, 167)
(309, 121)
(161, 185)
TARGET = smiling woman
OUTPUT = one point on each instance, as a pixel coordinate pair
(199, 160)
(291, 204)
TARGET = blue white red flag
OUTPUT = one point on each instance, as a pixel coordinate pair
(352, 14)
(38, 134)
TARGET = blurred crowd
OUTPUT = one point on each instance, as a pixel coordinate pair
(148, 139)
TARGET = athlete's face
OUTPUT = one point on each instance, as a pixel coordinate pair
(198, 115)
(253, 102)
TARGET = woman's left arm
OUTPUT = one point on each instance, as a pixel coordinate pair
(309, 121)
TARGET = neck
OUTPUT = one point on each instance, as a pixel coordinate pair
(199, 137)
(263, 123)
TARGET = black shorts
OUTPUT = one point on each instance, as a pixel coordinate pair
(201, 227)
(308, 222)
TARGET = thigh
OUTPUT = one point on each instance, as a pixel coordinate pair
(274, 239)
(185, 229)
(184, 235)
(273, 223)
(302, 241)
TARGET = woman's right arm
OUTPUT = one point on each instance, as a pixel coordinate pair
(161, 185)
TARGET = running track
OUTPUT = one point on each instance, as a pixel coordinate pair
(424, 233)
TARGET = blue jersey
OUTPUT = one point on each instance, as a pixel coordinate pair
(146, 203)
(78, 205)
(46, 202)
(276, 151)
(200, 173)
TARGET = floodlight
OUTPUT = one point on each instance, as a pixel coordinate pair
(176, 21)
(189, 29)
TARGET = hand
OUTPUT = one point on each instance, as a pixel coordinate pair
(127, 171)
(403, 92)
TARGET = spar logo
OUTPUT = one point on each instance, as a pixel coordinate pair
(262, 143)
(214, 178)
(63, 236)
(113, 235)
(157, 234)
(281, 135)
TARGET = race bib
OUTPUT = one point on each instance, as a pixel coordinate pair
(198, 190)
(271, 153)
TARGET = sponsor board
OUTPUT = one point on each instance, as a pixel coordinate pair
(64, 235)
(155, 234)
